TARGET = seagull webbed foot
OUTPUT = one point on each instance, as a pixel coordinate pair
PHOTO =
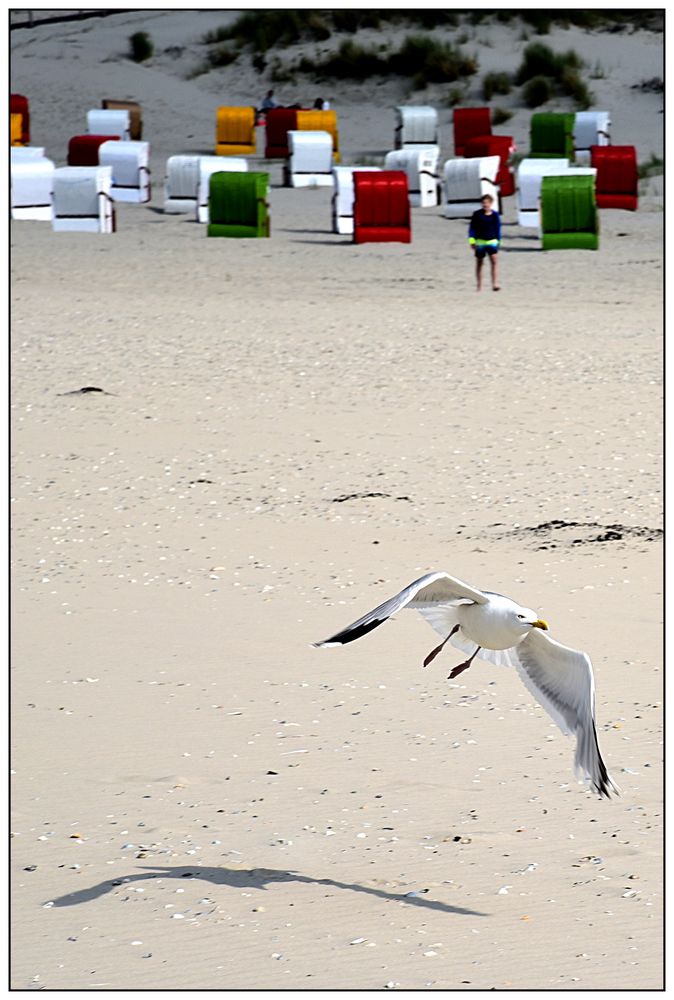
(460, 669)
(463, 666)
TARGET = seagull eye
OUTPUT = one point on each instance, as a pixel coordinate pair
(521, 617)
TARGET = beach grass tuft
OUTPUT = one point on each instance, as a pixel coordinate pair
(652, 167)
(500, 116)
(538, 90)
(496, 83)
(420, 58)
(543, 73)
(140, 46)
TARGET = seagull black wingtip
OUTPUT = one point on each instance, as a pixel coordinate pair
(350, 634)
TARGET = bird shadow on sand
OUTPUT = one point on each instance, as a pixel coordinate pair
(255, 878)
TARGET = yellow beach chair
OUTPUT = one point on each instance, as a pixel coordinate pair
(234, 131)
(15, 130)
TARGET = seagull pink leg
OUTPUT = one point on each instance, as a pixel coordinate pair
(438, 649)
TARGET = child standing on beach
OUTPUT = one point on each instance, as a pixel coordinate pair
(484, 236)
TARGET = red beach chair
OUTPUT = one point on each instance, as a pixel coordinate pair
(468, 123)
(495, 145)
(381, 208)
(617, 176)
(18, 105)
(280, 121)
(83, 149)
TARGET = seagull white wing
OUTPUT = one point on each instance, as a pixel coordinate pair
(438, 592)
(561, 680)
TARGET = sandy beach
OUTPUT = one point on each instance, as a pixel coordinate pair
(292, 430)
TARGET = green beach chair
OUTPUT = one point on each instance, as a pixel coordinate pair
(569, 218)
(237, 204)
(551, 135)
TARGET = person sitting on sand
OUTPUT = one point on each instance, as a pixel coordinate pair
(484, 236)
(268, 101)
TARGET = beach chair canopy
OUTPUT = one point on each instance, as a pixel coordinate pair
(617, 176)
(82, 201)
(381, 208)
(421, 166)
(209, 165)
(238, 204)
(135, 115)
(551, 136)
(84, 150)
(591, 128)
(130, 163)
(320, 121)
(569, 217)
(342, 199)
(279, 121)
(466, 182)
(15, 129)
(116, 123)
(416, 125)
(18, 105)
(530, 174)
(310, 161)
(234, 131)
(495, 145)
(32, 187)
(468, 123)
(18, 153)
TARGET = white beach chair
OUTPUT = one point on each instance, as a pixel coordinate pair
(591, 128)
(130, 169)
(32, 183)
(310, 160)
(466, 182)
(416, 125)
(82, 201)
(421, 166)
(182, 184)
(213, 165)
(530, 173)
(101, 121)
(342, 199)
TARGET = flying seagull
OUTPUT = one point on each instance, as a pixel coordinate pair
(506, 634)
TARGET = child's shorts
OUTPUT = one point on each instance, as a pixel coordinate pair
(481, 252)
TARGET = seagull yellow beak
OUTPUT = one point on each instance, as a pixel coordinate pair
(540, 624)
